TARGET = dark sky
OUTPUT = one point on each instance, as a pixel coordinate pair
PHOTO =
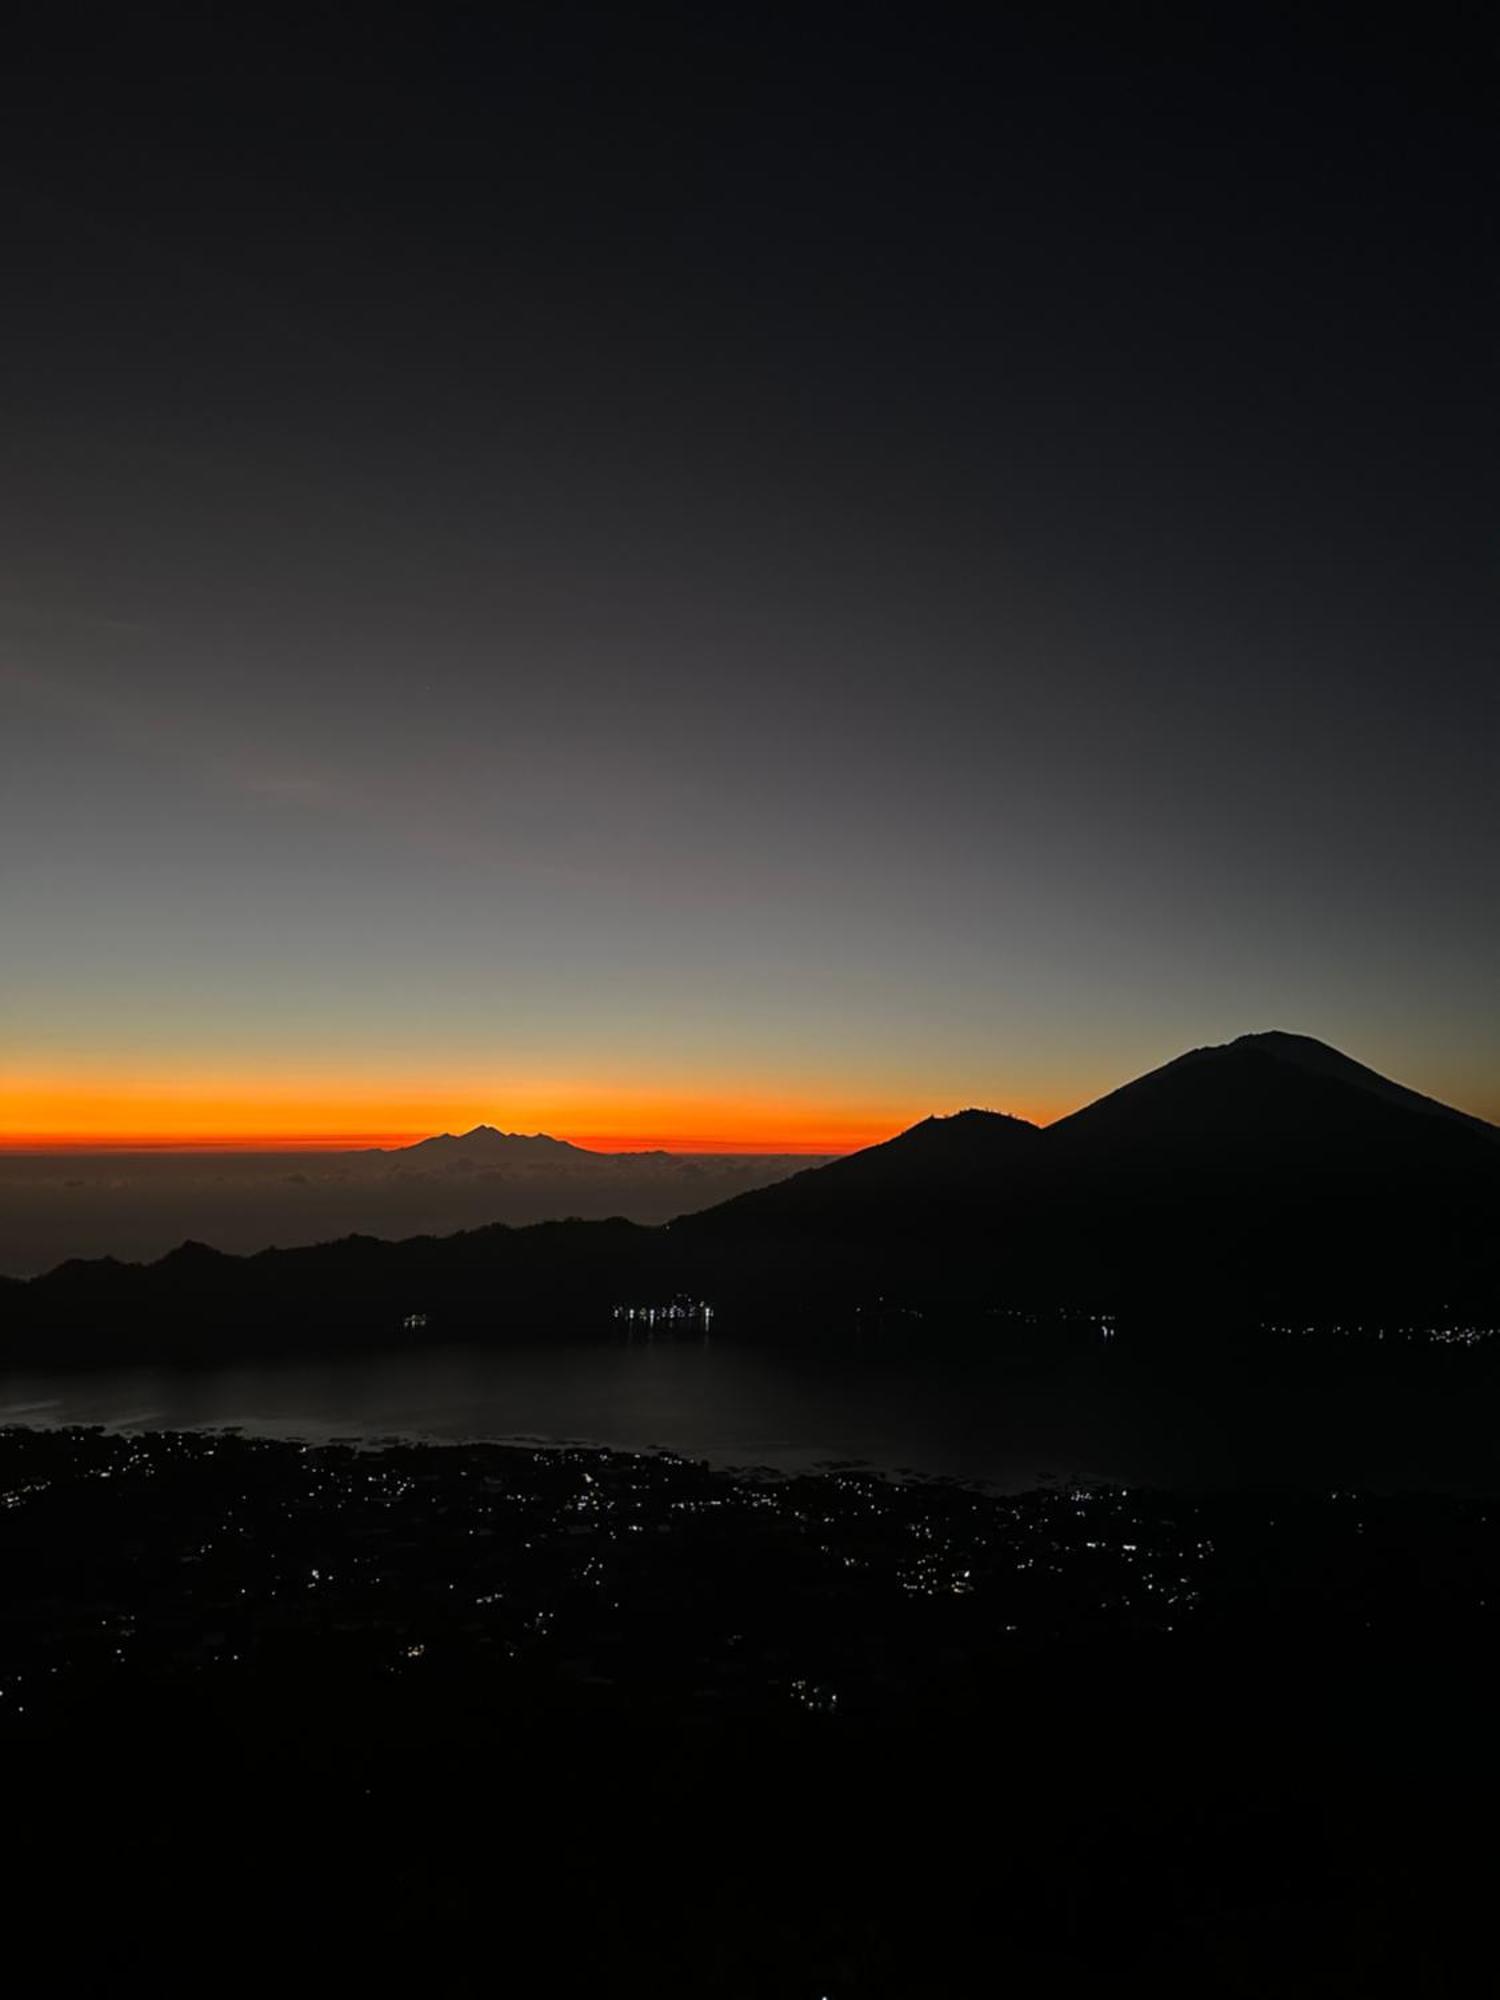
(713, 573)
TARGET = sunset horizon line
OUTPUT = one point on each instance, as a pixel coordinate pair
(66, 1118)
(225, 1115)
(829, 1138)
(390, 1142)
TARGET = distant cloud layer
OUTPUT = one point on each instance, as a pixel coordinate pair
(137, 1207)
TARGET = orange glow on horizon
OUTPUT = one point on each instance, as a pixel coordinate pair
(176, 1114)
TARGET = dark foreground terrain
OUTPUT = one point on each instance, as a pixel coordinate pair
(481, 1719)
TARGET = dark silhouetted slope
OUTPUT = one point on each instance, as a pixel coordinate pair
(1269, 1172)
(944, 1166)
(196, 1303)
(917, 1207)
(1269, 1099)
(1277, 1169)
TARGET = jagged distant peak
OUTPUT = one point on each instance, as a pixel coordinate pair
(480, 1138)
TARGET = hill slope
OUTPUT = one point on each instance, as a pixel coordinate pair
(960, 1162)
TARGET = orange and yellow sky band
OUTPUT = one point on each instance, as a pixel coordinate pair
(42, 1112)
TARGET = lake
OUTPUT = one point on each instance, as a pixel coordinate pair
(1094, 1413)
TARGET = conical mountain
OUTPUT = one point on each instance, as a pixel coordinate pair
(1269, 1170)
(1275, 1170)
(1270, 1100)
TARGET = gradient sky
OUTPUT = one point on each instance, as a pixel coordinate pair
(724, 577)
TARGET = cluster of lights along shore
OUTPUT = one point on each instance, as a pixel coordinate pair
(687, 1316)
(1432, 1333)
(679, 1315)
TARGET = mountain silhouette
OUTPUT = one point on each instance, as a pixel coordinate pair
(486, 1146)
(920, 1201)
(947, 1164)
(1269, 1175)
(1271, 1169)
(1276, 1097)
(1276, 1168)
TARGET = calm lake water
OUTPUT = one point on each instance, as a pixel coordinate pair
(1094, 1414)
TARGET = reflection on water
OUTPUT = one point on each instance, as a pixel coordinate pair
(733, 1406)
(1093, 1415)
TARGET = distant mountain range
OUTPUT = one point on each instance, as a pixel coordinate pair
(484, 1144)
(137, 1205)
(1271, 1174)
